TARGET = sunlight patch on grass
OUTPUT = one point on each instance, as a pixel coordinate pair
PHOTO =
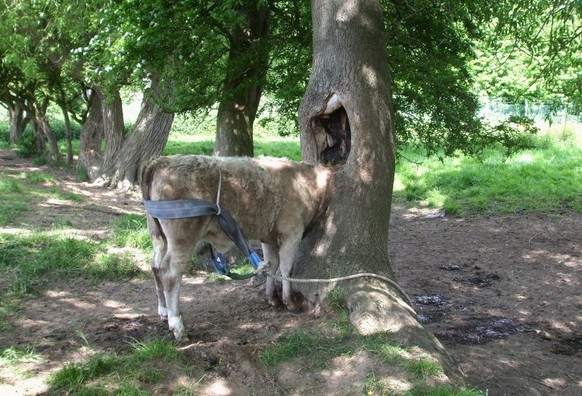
(38, 177)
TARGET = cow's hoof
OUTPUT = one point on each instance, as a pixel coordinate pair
(184, 339)
(291, 307)
(275, 302)
(177, 328)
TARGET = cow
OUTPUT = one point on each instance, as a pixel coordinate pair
(273, 200)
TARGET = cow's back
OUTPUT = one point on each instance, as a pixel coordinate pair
(247, 191)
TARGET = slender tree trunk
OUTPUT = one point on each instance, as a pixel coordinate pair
(54, 152)
(90, 157)
(245, 77)
(146, 140)
(17, 122)
(39, 137)
(346, 120)
(67, 119)
(44, 130)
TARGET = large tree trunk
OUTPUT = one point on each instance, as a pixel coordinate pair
(346, 120)
(113, 127)
(90, 157)
(245, 77)
(146, 140)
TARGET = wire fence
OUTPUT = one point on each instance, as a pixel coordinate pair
(496, 110)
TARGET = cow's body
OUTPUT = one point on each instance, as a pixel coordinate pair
(272, 200)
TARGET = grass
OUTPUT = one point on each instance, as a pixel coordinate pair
(541, 179)
(131, 231)
(31, 261)
(136, 373)
(204, 145)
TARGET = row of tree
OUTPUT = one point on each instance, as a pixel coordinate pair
(193, 55)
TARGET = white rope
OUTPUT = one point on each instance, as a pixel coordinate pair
(263, 265)
(219, 188)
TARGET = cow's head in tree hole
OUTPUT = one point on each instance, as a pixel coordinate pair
(333, 135)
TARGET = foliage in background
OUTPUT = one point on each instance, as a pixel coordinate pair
(514, 49)
(531, 49)
(541, 178)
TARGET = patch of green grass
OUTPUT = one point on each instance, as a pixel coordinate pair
(57, 193)
(38, 177)
(132, 374)
(29, 261)
(180, 144)
(422, 368)
(27, 258)
(131, 231)
(14, 355)
(114, 266)
(301, 344)
(542, 179)
(204, 144)
(278, 147)
(9, 185)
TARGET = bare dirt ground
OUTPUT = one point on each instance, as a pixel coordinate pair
(502, 293)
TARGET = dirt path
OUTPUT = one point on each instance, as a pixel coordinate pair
(503, 294)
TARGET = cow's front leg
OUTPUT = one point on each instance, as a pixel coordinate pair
(287, 254)
(271, 255)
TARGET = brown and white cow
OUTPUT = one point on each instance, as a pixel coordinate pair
(273, 200)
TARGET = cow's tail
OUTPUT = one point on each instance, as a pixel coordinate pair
(147, 176)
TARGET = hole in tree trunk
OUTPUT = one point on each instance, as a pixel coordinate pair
(338, 137)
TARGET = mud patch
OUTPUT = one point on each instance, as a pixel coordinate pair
(569, 346)
(482, 330)
(481, 279)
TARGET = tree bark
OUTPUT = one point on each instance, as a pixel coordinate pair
(245, 76)
(17, 122)
(90, 157)
(44, 131)
(146, 140)
(69, 143)
(113, 126)
(346, 120)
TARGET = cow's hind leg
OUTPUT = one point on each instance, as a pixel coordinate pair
(271, 255)
(160, 249)
(287, 254)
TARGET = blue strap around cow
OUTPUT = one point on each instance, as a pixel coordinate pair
(183, 208)
(180, 208)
